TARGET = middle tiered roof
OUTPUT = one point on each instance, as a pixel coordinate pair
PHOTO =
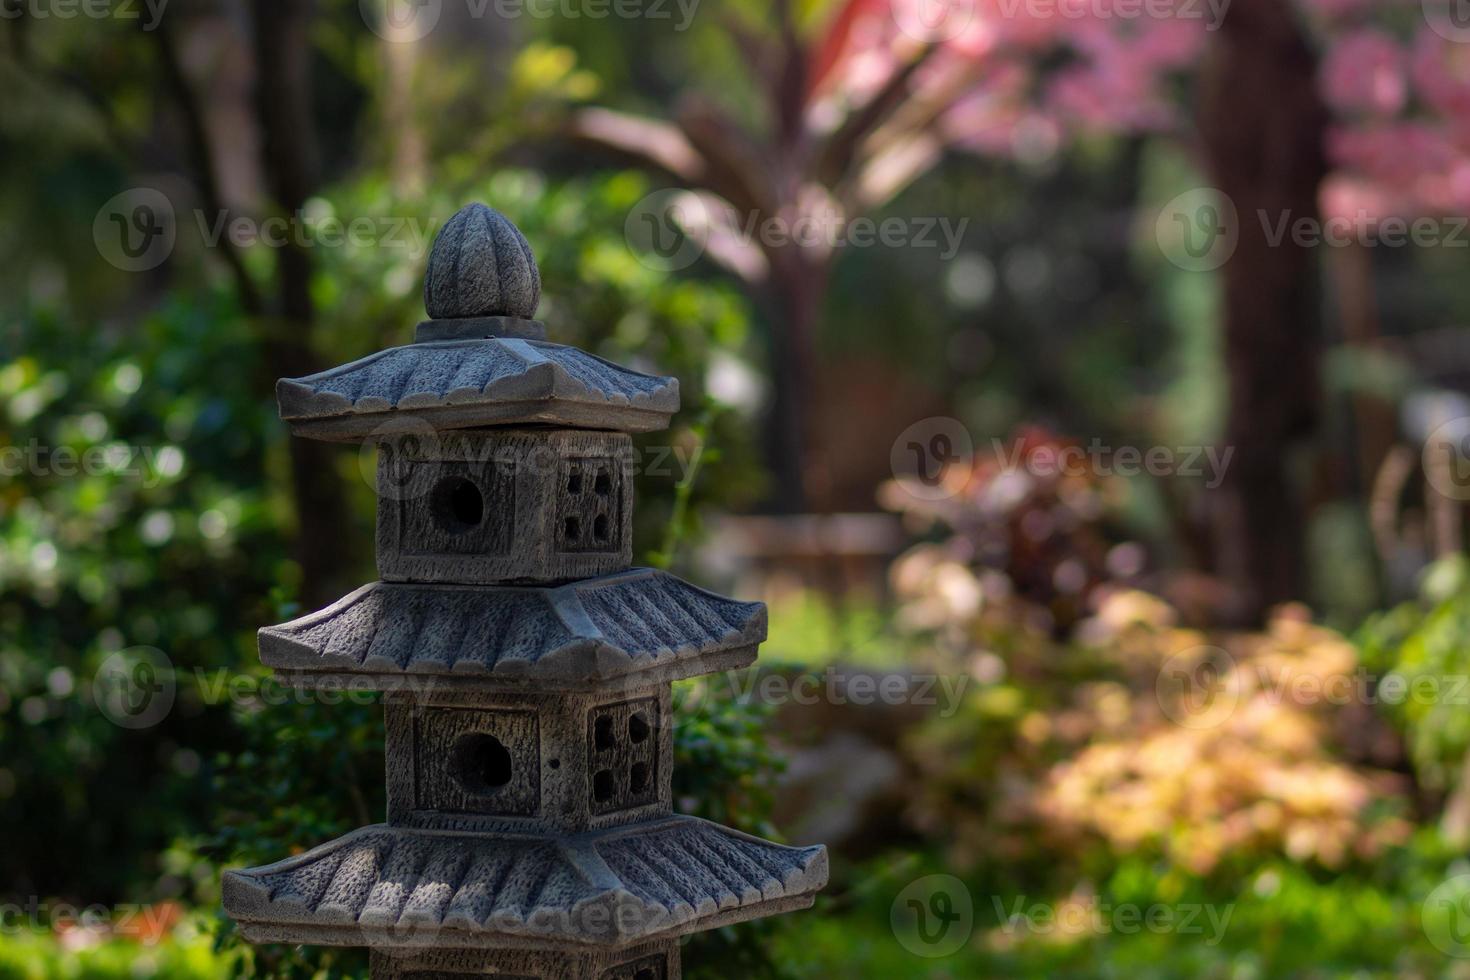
(640, 622)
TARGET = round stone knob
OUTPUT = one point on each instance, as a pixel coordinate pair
(481, 265)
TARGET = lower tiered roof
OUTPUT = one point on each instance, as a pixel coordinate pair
(398, 887)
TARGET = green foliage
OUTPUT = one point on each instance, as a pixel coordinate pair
(184, 955)
(725, 770)
(186, 551)
(142, 518)
(1419, 652)
(1275, 920)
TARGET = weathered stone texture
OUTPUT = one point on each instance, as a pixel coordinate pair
(481, 265)
(460, 384)
(514, 505)
(529, 713)
(641, 622)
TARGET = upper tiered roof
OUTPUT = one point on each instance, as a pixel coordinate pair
(481, 361)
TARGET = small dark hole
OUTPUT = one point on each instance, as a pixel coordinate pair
(644, 974)
(639, 780)
(599, 527)
(574, 483)
(603, 483)
(602, 733)
(573, 529)
(555, 763)
(602, 786)
(480, 763)
(457, 505)
(638, 727)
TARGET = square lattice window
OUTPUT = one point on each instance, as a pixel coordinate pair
(622, 755)
(589, 506)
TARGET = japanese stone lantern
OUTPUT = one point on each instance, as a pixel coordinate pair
(530, 829)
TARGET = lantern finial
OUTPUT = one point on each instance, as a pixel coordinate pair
(481, 266)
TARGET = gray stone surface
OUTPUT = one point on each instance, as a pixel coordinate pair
(478, 328)
(458, 384)
(511, 505)
(646, 961)
(481, 265)
(412, 888)
(639, 623)
(576, 769)
(529, 713)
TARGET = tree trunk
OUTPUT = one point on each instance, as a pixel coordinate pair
(1262, 126)
(795, 307)
(288, 136)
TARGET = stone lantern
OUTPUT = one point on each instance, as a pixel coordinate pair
(527, 665)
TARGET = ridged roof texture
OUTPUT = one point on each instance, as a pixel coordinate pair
(467, 383)
(594, 629)
(447, 889)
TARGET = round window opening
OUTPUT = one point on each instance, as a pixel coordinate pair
(480, 763)
(457, 505)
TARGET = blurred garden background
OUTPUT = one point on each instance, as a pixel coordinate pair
(1094, 374)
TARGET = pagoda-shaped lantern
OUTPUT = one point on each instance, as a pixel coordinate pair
(530, 829)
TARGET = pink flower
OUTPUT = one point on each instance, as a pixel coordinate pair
(1441, 71)
(1365, 72)
(1397, 152)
